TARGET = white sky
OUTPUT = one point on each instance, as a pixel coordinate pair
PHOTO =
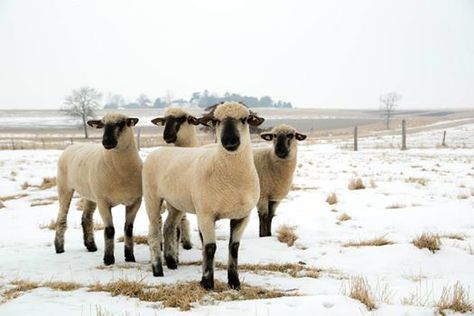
(339, 54)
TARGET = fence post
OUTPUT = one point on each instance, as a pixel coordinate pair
(404, 135)
(139, 129)
(355, 139)
(444, 139)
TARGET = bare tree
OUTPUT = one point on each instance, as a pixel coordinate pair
(82, 103)
(143, 101)
(388, 104)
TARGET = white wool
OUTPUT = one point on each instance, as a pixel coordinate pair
(176, 112)
(231, 109)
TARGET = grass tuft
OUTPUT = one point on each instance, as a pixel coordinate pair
(375, 242)
(13, 197)
(344, 217)
(51, 225)
(455, 298)
(356, 184)
(421, 181)
(429, 241)
(359, 289)
(286, 234)
(137, 239)
(331, 199)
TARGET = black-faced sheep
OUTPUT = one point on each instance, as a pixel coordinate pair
(275, 166)
(180, 130)
(213, 182)
(104, 175)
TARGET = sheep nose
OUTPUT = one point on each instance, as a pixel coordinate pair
(231, 144)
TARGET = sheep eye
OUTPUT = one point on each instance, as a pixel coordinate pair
(181, 119)
(121, 124)
(290, 136)
(243, 120)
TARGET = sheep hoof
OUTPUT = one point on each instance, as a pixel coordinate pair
(91, 247)
(157, 270)
(187, 245)
(109, 259)
(129, 256)
(233, 281)
(59, 248)
(171, 263)
(207, 283)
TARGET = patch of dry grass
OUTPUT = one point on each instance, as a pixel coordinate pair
(48, 182)
(51, 225)
(375, 242)
(455, 298)
(455, 236)
(44, 201)
(20, 286)
(359, 289)
(421, 181)
(331, 199)
(137, 239)
(462, 196)
(344, 217)
(429, 241)
(395, 206)
(2, 205)
(295, 270)
(13, 196)
(286, 234)
(183, 294)
(356, 184)
(62, 285)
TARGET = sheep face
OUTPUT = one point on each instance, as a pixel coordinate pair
(177, 124)
(284, 141)
(116, 129)
(231, 121)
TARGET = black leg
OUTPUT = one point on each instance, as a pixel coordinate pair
(109, 233)
(207, 280)
(237, 227)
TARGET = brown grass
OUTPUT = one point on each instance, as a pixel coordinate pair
(20, 286)
(421, 181)
(359, 289)
(344, 217)
(44, 201)
(48, 182)
(137, 239)
(13, 196)
(429, 241)
(395, 206)
(51, 225)
(62, 285)
(455, 298)
(356, 184)
(331, 199)
(375, 242)
(295, 270)
(286, 234)
(2, 205)
(462, 196)
(183, 294)
(456, 236)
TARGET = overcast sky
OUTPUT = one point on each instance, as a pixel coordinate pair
(325, 54)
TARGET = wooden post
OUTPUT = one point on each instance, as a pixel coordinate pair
(139, 129)
(404, 135)
(355, 139)
(444, 139)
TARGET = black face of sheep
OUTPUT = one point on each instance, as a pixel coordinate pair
(112, 130)
(283, 142)
(172, 125)
(230, 136)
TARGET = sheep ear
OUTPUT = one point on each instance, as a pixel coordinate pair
(132, 121)
(159, 121)
(192, 120)
(300, 136)
(255, 120)
(205, 120)
(95, 123)
(266, 136)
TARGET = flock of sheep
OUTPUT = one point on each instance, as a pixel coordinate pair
(225, 180)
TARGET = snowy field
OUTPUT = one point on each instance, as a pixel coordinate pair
(426, 189)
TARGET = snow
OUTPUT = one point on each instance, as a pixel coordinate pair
(444, 205)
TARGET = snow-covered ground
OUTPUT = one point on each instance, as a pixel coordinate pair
(424, 189)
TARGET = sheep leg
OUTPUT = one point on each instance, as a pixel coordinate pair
(207, 226)
(64, 197)
(185, 230)
(109, 232)
(237, 227)
(130, 214)
(153, 208)
(263, 213)
(171, 245)
(272, 205)
(88, 225)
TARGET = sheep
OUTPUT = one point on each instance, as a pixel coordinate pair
(104, 175)
(212, 182)
(180, 130)
(275, 166)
